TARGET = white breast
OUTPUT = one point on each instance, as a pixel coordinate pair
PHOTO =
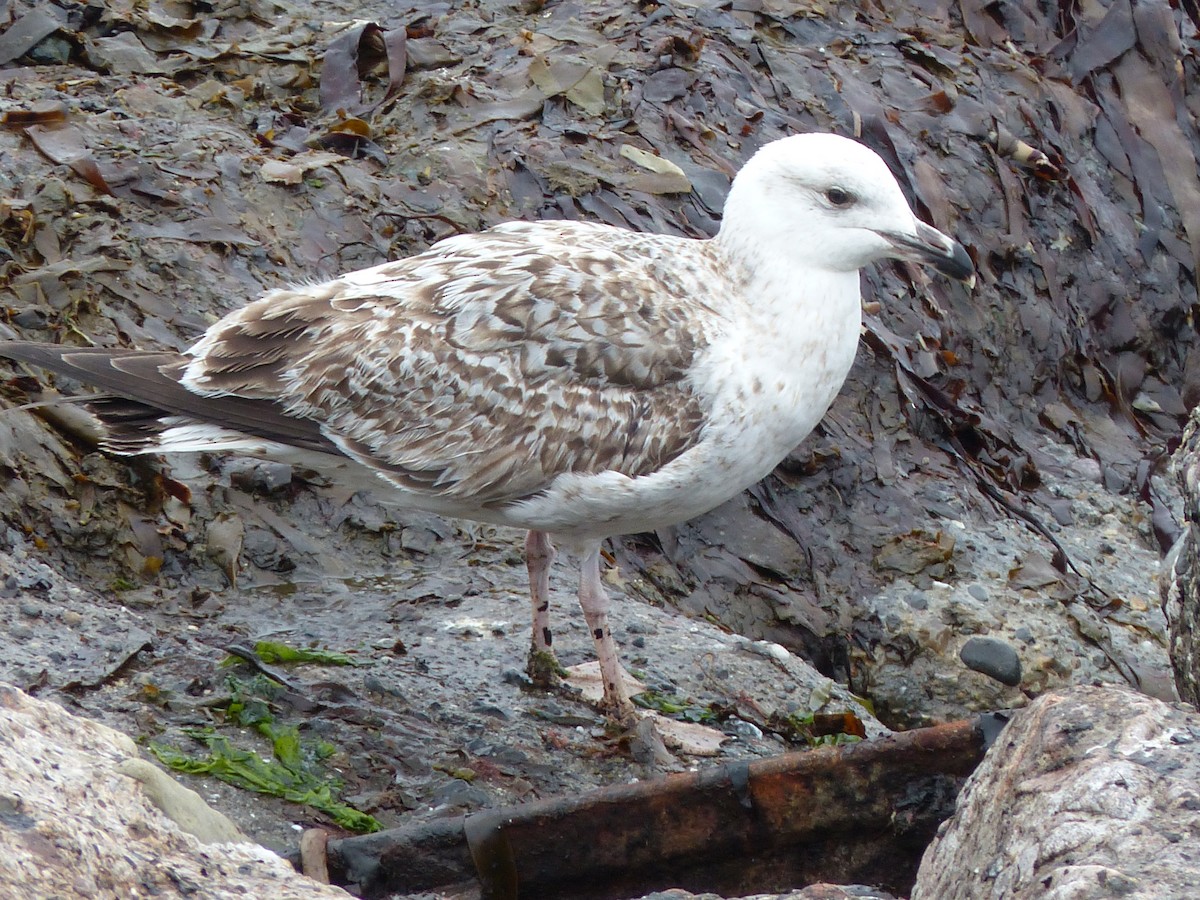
(769, 380)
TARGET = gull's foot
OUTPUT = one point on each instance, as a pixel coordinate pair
(687, 738)
(652, 737)
(586, 679)
(544, 669)
(655, 740)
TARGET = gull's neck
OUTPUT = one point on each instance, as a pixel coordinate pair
(793, 341)
(783, 283)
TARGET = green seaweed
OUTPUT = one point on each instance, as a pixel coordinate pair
(676, 707)
(275, 652)
(294, 773)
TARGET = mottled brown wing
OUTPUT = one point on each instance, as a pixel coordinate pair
(488, 365)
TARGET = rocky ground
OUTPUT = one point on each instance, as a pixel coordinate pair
(978, 520)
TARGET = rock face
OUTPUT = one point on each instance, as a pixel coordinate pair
(72, 826)
(983, 483)
(1181, 584)
(1091, 792)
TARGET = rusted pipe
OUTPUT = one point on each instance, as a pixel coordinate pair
(860, 813)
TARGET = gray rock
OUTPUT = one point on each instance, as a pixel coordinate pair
(917, 600)
(978, 591)
(1085, 794)
(71, 824)
(992, 657)
(181, 805)
(915, 676)
(1181, 584)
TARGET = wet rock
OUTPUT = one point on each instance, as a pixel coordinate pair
(72, 825)
(181, 805)
(788, 562)
(914, 672)
(259, 476)
(517, 677)
(978, 591)
(30, 318)
(266, 551)
(64, 635)
(457, 793)
(1088, 793)
(1181, 584)
(992, 657)
(491, 710)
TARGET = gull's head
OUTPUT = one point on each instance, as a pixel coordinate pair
(835, 205)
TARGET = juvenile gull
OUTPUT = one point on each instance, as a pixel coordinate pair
(576, 380)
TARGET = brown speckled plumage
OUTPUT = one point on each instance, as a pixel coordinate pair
(486, 366)
(570, 379)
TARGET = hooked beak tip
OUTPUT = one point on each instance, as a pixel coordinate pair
(931, 247)
(959, 265)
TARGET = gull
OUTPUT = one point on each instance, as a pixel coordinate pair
(575, 380)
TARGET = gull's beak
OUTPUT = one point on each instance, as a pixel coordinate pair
(928, 245)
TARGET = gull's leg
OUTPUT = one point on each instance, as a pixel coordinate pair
(594, 600)
(539, 554)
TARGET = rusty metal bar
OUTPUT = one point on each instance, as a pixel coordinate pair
(861, 813)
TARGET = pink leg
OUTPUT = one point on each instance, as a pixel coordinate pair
(539, 554)
(542, 667)
(594, 600)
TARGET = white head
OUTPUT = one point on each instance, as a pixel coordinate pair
(832, 203)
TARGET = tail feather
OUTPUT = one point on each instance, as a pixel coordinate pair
(144, 398)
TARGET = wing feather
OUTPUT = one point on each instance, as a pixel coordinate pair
(147, 385)
(488, 365)
(477, 371)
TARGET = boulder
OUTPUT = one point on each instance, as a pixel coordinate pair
(1181, 571)
(72, 824)
(1090, 792)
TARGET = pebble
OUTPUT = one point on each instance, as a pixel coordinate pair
(917, 600)
(516, 677)
(979, 592)
(740, 728)
(1087, 468)
(459, 793)
(260, 476)
(992, 657)
(491, 709)
(771, 650)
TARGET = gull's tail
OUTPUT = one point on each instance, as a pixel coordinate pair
(145, 408)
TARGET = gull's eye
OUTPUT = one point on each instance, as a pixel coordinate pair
(839, 197)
